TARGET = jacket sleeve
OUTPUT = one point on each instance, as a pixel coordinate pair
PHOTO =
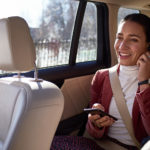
(95, 98)
(143, 99)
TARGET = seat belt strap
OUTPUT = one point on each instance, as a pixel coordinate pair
(121, 102)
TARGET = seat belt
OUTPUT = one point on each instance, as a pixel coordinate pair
(121, 103)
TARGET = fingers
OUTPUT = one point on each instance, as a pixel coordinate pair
(101, 121)
(143, 64)
(93, 118)
(104, 121)
(148, 54)
(144, 58)
(99, 106)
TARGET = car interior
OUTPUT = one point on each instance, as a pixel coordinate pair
(37, 104)
(27, 104)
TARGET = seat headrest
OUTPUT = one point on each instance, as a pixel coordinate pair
(17, 50)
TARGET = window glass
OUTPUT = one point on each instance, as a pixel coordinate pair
(88, 38)
(125, 11)
(51, 23)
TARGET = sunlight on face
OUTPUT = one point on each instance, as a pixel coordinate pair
(130, 43)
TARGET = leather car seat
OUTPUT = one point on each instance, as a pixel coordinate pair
(30, 109)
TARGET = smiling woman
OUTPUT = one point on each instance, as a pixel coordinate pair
(74, 42)
(130, 42)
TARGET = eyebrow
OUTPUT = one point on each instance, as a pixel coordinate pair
(135, 35)
(131, 35)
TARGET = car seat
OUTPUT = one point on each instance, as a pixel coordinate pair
(30, 108)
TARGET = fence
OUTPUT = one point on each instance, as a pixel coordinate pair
(56, 52)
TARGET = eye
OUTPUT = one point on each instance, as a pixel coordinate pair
(134, 40)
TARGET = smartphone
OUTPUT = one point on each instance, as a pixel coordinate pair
(98, 111)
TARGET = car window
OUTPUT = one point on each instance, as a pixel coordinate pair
(51, 23)
(53, 37)
(125, 11)
(87, 49)
(69, 36)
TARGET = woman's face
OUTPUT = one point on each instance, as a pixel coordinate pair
(130, 42)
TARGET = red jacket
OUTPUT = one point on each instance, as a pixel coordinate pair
(101, 92)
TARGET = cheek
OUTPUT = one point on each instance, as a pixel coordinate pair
(116, 45)
(138, 50)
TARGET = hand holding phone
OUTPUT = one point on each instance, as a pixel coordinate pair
(98, 111)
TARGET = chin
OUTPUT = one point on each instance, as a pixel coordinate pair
(126, 63)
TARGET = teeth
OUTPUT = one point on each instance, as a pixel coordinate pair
(122, 54)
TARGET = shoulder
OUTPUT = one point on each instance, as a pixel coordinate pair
(102, 72)
(100, 75)
(105, 72)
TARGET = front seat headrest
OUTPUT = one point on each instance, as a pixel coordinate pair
(17, 50)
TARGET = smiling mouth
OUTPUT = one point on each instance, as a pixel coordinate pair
(124, 54)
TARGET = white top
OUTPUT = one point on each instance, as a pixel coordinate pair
(129, 84)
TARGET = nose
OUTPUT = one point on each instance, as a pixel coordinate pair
(123, 45)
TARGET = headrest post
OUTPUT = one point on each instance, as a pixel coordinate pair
(18, 75)
(36, 74)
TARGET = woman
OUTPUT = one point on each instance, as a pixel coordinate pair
(132, 47)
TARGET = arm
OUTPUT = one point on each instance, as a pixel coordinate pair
(95, 98)
(143, 99)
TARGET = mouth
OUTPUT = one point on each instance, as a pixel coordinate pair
(124, 55)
